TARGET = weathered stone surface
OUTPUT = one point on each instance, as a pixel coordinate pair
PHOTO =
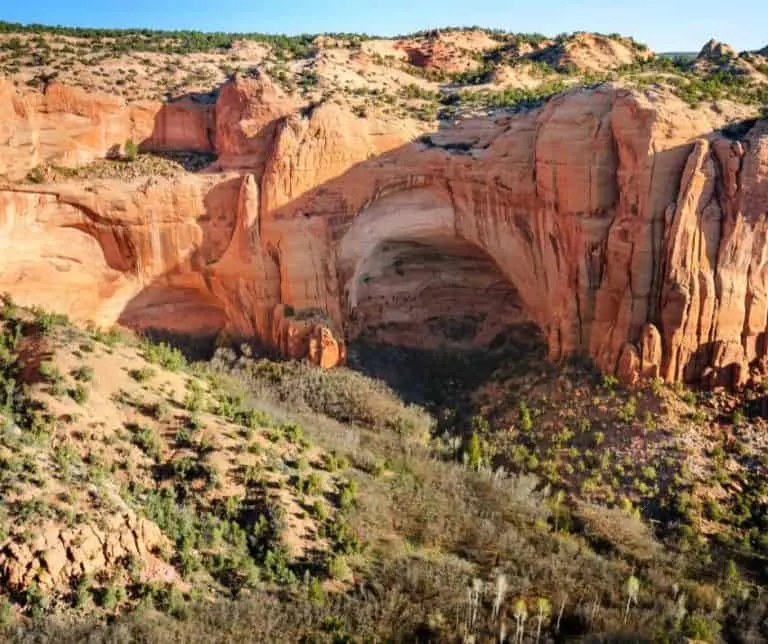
(651, 352)
(628, 366)
(590, 51)
(248, 111)
(620, 223)
(57, 556)
(67, 126)
(308, 337)
(716, 51)
(19, 134)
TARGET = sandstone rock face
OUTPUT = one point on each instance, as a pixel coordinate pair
(247, 114)
(449, 51)
(59, 556)
(594, 52)
(717, 51)
(717, 56)
(68, 127)
(620, 223)
(19, 136)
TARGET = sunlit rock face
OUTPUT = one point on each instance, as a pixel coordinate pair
(620, 223)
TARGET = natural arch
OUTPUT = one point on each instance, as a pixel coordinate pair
(432, 294)
(411, 278)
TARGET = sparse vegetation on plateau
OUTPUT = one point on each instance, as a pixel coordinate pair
(497, 71)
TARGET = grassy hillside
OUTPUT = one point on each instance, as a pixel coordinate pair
(149, 499)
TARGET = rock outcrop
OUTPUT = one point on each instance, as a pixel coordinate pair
(716, 51)
(60, 555)
(621, 223)
(717, 56)
(447, 51)
(586, 51)
(247, 115)
(68, 127)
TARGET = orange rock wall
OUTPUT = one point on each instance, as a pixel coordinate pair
(631, 231)
(68, 127)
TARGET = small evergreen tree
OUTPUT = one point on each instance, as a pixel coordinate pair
(131, 150)
(474, 452)
(526, 421)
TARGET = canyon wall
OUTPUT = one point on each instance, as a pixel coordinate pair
(620, 222)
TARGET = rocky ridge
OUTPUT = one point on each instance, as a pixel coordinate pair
(720, 57)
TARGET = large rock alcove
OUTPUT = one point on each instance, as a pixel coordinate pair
(411, 279)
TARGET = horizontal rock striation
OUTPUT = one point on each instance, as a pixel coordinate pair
(625, 225)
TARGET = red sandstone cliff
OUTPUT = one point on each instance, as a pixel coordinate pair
(619, 221)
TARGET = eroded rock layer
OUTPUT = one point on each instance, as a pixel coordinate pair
(621, 223)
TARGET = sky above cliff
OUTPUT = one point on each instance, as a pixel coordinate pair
(680, 25)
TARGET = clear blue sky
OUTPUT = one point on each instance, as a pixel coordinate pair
(665, 25)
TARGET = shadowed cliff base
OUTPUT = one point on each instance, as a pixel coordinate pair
(433, 316)
(443, 380)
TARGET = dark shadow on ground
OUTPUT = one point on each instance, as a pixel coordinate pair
(445, 379)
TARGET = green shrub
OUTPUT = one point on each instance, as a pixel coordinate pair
(332, 462)
(526, 421)
(50, 372)
(111, 596)
(148, 440)
(165, 355)
(6, 612)
(338, 568)
(82, 593)
(142, 375)
(474, 453)
(311, 485)
(701, 628)
(45, 321)
(79, 394)
(342, 394)
(111, 338)
(347, 494)
(194, 399)
(628, 411)
(130, 150)
(36, 601)
(83, 373)
(276, 566)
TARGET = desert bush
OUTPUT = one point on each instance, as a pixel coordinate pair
(130, 150)
(84, 373)
(342, 394)
(79, 394)
(142, 375)
(164, 354)
(36, 175)
(147, 439)
(194, 398)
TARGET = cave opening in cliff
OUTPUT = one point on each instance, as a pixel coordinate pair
(435, 318)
